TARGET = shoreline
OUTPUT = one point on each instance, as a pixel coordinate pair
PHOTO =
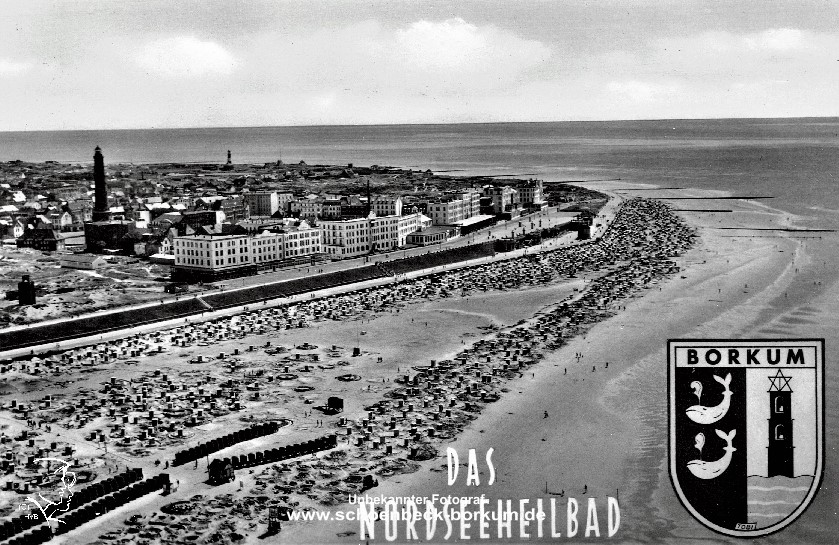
(600, 415)
(590, 260)
(621, 415)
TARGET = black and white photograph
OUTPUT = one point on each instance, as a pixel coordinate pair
(348, 272)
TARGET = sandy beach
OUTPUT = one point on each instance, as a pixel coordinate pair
(607, 429)
(587, 421)
(348, 272)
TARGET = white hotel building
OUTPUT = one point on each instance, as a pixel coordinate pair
(218, 253)
(272, 246)
(211, 255)
(451, 209)
(360, 236)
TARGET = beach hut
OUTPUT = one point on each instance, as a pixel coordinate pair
(368, 482)
(221, 471)
(335, 405)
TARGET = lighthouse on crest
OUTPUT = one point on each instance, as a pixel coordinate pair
(780, 449)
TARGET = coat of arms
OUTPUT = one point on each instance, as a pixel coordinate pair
(746, 430)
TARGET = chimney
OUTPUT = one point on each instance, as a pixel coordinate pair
(369, 202)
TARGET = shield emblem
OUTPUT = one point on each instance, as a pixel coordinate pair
(746, 440)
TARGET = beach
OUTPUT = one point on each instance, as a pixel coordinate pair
(585, 421)
(419, 272)
(606, 430)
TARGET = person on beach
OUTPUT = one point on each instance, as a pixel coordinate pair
(546, 414)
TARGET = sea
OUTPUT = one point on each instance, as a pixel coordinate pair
(792, 164)
(795, 161)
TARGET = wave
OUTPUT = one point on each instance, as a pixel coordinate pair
(776, 502)
(769, 488)
(764, 477)
(768, 515)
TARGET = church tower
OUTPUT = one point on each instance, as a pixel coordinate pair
(780, 449)
(100, 199)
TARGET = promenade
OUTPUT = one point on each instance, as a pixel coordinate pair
(276, 287)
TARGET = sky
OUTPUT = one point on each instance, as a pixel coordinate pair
(96, 64)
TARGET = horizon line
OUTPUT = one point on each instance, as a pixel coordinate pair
(422, 124)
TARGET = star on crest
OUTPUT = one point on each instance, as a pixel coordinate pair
(780, 382)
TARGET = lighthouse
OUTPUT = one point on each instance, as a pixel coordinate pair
(100, 201)
(780, 450)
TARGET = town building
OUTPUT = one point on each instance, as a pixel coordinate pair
(197, 218)
(226, 251)
(353, 207)
(82, 212)
(451, 209)
(263, 203)
(234, 207)
(309, 208)
(82, 261)
(106, 236)
(18, 227)
(387, 205)
(167, 219)
(141, 215)
(212, 253)
(437, 234)
(361, 236)
(331, 209)
(62, 220)
(503, 199)
(532, 194)
(283, 201)
(281, 247)
(40, 236)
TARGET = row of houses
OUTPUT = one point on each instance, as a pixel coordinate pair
(227, 251)
(447, 209)
(344, 232)
(14, 221)
(155, 211)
